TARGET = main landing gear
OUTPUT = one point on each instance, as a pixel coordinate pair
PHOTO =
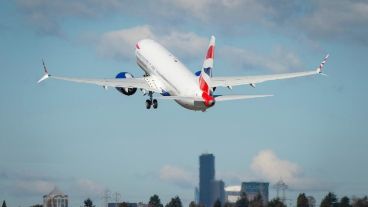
(151, 102)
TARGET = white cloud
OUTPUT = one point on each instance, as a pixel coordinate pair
(120, 44)
(32, 187)
(89, 188)
(337, 19)
(267, 166)
(280, 59)
(177, 176)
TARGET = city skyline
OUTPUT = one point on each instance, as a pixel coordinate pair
(85, 139)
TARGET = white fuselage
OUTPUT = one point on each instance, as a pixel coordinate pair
(169, 75)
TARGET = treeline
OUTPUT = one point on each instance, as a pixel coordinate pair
(330, 200)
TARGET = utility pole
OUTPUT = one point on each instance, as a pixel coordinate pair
(105, 198)
(117, 199)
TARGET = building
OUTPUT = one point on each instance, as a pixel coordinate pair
(196, 195)
(252, 189)
(55, 198)
(206, 178)
(232, 193)
(218, 191)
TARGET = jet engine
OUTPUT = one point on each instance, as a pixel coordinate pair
(125, 91)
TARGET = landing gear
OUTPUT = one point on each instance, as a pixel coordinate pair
(148, 104)
(151, 102)
(154, 103)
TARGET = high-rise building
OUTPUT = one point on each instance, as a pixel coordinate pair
(218, 191)
(232, 193)
(196, 195)
(206, 178)
(55, 198)
(252, 189)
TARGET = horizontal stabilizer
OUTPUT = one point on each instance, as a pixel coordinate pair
(189, 98)
(238, 97)
(217, 97)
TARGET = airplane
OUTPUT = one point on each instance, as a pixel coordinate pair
(165, 74)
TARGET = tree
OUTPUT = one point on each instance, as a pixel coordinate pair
(344, 202)
(360, 202)
(155, 201)
(123, 204)
(243, 201)
(88, 203)
(4, 204)
(175, 202)
(217, 203)
(257, 201)
(276, 202)
(329, 200)
(302, 201)
(193, 204)
(37, 205)
(227, 204)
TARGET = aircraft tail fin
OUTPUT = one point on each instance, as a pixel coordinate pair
(208, 61)
(206, 72)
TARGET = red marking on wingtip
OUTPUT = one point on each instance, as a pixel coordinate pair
(137, 46)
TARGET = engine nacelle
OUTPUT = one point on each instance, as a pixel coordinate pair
(125, 91)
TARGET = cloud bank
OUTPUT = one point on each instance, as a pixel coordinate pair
(120, 44)
(316, 19)
(265, 166)
(177, 176)
(26, 183)
(269, 167)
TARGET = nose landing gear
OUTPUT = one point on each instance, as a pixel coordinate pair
(151, 102)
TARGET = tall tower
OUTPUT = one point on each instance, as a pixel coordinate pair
(281, 187)
(206, 178)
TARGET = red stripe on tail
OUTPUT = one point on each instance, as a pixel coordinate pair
(210, 52)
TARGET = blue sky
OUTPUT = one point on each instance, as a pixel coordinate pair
(83, 139)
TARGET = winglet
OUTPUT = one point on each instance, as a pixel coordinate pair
(46, 73)
(320, 68)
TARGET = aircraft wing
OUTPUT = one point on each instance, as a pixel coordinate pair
(252, 80)
(122, 83)
(141, 83)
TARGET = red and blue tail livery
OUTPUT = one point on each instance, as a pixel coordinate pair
(206, 74)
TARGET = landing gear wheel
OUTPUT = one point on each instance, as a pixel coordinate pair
(148, 104)
(154, 103)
